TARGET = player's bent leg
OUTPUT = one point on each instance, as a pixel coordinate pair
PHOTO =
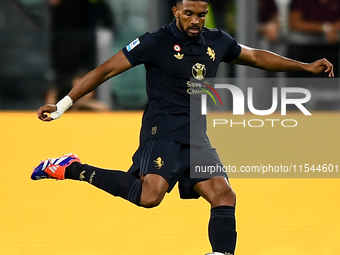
(222, 224)
(154, 188)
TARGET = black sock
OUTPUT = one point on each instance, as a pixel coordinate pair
(222, 229)
(73, 171)
(117, 183)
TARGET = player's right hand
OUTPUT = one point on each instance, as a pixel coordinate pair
(45, 111)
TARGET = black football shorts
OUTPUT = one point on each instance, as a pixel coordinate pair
(171, 160)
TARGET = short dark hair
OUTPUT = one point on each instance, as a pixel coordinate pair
(180, 1)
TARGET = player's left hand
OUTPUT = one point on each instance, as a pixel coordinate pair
(321, 65)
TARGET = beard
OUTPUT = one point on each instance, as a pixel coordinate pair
(186, 31)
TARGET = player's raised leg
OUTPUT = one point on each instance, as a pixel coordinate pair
(222, 224)
(148, 191)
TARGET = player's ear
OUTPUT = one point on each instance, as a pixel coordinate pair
(175, 11)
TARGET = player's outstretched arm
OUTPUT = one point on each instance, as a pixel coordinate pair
(112, 67)
(269, 61)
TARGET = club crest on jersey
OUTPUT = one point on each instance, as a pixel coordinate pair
(211, 54)
(199, 71)
(132, 45)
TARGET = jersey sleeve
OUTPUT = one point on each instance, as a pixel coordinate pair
(232, 48)
(140, 50)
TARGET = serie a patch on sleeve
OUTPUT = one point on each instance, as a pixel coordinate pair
(132, 45)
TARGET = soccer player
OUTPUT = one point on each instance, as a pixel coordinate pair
(173, 55)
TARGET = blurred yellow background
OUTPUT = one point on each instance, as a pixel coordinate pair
(274, 216)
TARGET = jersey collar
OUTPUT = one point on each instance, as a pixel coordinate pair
(184, 39)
